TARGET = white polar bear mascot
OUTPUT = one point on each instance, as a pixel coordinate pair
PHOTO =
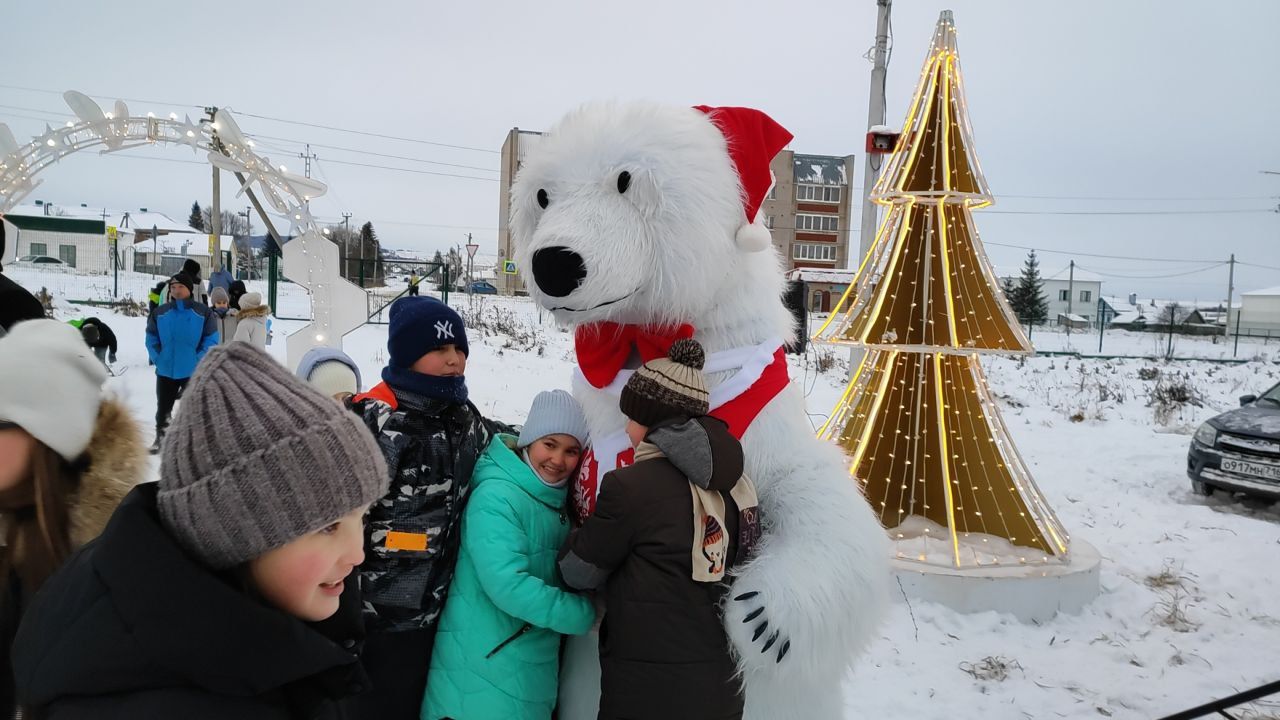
(637, 224)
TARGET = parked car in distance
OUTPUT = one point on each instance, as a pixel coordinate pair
(1239, 450)
(483, 287)
(42, 262)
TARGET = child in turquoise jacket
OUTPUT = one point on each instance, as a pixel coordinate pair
(497, 650)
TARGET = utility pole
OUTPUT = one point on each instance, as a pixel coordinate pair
(346, 244)
(215, 212)
(1231, 289)
(272, 253)
(875, 116)
(876, 107)
(1101, 325)
(308, 156)
(1071, 291)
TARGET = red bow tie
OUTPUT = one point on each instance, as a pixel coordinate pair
(603, 348)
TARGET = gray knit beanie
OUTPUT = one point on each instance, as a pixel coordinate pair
(554, 412)
(256, 458)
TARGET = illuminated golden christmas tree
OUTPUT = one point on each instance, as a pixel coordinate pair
(926, 439)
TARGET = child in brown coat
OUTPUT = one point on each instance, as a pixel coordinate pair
(664, 533)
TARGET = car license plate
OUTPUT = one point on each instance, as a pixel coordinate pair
(1267, 472)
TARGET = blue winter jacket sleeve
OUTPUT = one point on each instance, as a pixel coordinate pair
(209, 338)
(153, 338)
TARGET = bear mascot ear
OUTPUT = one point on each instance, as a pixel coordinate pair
(753, 140)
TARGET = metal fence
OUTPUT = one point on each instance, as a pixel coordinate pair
(1224, 707)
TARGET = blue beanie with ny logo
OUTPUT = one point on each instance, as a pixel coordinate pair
(419, 325)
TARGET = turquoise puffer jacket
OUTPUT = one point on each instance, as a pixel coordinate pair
(497, 651)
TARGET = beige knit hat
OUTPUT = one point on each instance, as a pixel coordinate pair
(669, 387)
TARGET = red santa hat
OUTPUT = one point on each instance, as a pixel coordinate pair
(754, 139)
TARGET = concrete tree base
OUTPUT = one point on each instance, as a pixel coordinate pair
(1032, 593)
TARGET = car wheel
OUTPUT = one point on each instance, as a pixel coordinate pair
(1201, 489)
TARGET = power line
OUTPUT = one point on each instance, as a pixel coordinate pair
(410, 170)
(382, 155)
(1001, 196)
(29, 117)
(277, 148)
(1084, 254)
(1153, 277)
(105, 97)
(1264, 267)
(36, 110)
(368, 134)
(1125, 212)
(273, 119)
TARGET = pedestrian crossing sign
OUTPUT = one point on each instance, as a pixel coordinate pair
(509, 267)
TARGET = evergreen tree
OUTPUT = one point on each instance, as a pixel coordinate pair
(197, 217)
(437, 271)
(1027, 299)
(1009, 289)
(371, 251)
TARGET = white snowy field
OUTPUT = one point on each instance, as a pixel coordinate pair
(1190, 603)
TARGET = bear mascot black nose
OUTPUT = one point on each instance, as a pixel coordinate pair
(558, 270)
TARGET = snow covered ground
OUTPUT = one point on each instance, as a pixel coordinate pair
(1190, 604)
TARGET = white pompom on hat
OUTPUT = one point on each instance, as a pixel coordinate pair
(51, 385)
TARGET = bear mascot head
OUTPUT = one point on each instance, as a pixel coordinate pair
(637, 224)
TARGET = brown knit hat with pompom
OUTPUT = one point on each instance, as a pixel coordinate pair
(669, 387)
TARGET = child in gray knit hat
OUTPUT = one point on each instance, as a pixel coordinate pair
(506, 587)
(205, 594)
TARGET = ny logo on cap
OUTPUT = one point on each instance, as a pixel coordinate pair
(444, 329)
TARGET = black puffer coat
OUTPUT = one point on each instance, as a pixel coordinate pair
(133, 627)
(412, 535)
(664, 654)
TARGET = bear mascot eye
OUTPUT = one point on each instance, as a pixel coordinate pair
(624, 181)
(543, 200)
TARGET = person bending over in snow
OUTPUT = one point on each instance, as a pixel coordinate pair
(228, 588)
(431, 437)
(664, 532)
(497, 652)
(179, 333)
(97, 335)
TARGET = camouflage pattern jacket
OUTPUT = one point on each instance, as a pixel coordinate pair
(412, 535)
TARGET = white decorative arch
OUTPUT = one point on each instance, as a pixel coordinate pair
(337, 306)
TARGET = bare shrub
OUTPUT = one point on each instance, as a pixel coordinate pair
(1171, 396)
(991, 668)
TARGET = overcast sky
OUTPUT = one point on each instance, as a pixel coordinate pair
(1077, 107)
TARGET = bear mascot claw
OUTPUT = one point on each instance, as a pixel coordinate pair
(637, 224)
